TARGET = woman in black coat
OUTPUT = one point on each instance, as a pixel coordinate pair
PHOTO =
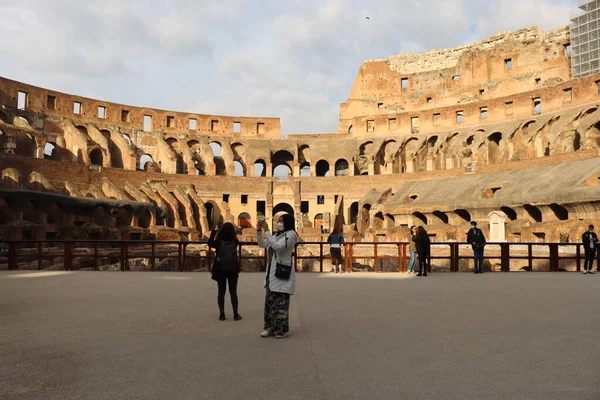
(226, 267)
(423, 244)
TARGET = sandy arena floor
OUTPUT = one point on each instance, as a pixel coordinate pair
(115, 335)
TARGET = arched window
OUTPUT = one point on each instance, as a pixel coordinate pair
(322, 168)
(305, 169)
(49, 151)
(239, 168)
(144, 160)
(342, 168)
(260, 168)
(96, 157)
(144, 219)
(244, 220)
(318, 221)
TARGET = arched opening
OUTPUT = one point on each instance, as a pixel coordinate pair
(49, 151)
(99, 217)
(282, 172)
(421, 218)
(54, 216)
(244, 221)
(365, 215)
(378, 220)
(96, 157)
(127, 138)
(354, 212)
(342, 168)
(180, 165)
(217, 149)
(146, 162)
(239, 168)
(576, 141)
(322, 168)
(144, 219)
(494, 148)
(510, 213)
(282, 158)
(25, 145)
(560, 212)
(441, 216)
(124, 217)
(29, 212)
(365, 148)
(318, 222)
(350, 129)
(116, 155)
(390, 221)
(533, 212)
(305, 169)
(260, 168)
(6, 213)
(279, 210)
(213, 214)
(464, 214)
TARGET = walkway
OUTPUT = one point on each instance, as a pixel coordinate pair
(116, 335)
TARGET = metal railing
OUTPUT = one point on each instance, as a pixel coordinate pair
(190, 256)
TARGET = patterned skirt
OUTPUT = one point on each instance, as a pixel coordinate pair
(277, 307)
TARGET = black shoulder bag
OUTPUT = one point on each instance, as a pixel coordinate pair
(282, 271)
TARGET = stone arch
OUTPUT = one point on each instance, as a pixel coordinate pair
(124, 217)
(144, 218)
(244, 220)
(25, 145)
(342, 167)
(282, 158)
(146, 163)
(318, 221)
(387, 158)
(463, 214)
(239, 169)
(534, 213)
(365, 215)
(494, 151)
(239, 159)
(510, 213)
(127, 139)
(350, 129)
(421, 217)
(180, 165)
(260, 168)
(442, 216)
(354, 212)
(213, 214)
(304, 154)
(217, 151)
(560, 212)
(390, 221)
(96, 157)
(587, 112)
(305, 169)
(30, 213)
(322, 168)
(279, 210)
(378, 220)
(54, 215)
(100, 217)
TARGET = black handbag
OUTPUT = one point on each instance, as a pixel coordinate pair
(283, 271)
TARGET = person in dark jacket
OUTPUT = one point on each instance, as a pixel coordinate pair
(477, 239)
(423, 244)
(222, 238)
(590, 244)
(336, 241)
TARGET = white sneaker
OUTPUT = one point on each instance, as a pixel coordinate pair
(585, 271)
(266, 333)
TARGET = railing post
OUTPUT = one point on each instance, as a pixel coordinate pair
(530, 256)
(179, 256)
(123, 256)
(375, 259)
(321, 256)
(553, 257)
(399, 257)
(350, 260)
(96, 256)
(39, 257)
(68, 256)
(456, 258)
(505, 257)
(184, 257)
(12, 256)
(152, 257)
(578, 254)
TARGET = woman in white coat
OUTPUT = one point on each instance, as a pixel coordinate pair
(278, 290)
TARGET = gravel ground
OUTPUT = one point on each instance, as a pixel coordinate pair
(136, 335)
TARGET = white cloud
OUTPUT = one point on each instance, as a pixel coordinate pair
(295, 59)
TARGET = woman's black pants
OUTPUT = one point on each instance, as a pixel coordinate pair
(222, 283)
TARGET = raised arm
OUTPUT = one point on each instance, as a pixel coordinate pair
(279, 243)
(262, 243)
(211, 240)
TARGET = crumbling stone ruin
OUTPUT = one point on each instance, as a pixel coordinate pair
(496, 132)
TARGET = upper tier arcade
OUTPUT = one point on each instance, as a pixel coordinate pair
(78, 108)
(508, 75)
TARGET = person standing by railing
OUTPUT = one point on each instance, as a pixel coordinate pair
(423, 244)
(336, 241)
(590, 245)
(280, 277)
(412, 249)
(477, 239)
(226, 267)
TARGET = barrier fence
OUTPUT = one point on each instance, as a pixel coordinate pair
(309, 256)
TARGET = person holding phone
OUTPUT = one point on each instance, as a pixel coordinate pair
(280, 277)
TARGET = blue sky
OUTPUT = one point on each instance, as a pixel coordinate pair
(290, 59)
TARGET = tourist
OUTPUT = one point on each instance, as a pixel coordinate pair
(336, 240)
(280, 277)
(590, 244)
(477, 239)
(226, 267)
(423, 245)
(412, 248)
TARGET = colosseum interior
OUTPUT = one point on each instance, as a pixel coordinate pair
(497, 132)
